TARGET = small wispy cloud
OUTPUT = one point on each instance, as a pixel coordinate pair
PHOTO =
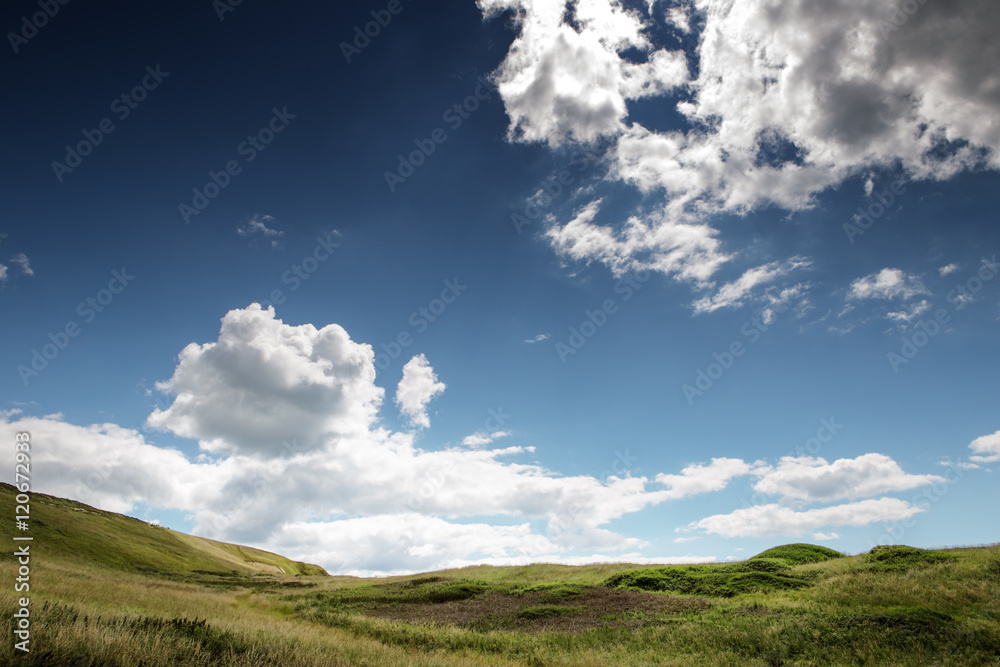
(259, 225)
(539, 338)
(910, 313)
(986, 449)
(483, 438)
(738, 292)
(22, 261)
(887, 284)
(948, 269)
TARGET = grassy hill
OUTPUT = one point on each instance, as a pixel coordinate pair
(112, 591)
(70, 530)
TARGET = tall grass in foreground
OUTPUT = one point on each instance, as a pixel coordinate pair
(902, 608)
(84, 617)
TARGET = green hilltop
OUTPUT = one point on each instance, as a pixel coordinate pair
(70, 530)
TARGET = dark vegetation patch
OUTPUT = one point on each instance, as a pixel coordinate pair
(556, 592)
(231, 581)
(551, 608)
(896, 558)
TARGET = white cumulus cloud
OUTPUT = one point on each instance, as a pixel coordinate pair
(263, 383)
(782, 100)
(815, 480)
(700, 478)
(416, 389)
(986, 449)
(771, 520)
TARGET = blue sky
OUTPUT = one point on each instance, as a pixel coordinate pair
(661, 282)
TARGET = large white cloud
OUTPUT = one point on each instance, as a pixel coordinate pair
(771, 520)
(264, 382)
(112, 467)
(815, 480)
(356, 497)
(791, 97)
(566, 80)
(287, 413)
(417, 387)
(381, 543)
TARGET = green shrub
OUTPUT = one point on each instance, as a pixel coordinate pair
(708, 580)
(900, 557)
(798, 554)
(546, 610)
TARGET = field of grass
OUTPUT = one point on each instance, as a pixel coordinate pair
(110, 590)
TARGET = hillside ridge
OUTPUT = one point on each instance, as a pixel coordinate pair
(65, 529)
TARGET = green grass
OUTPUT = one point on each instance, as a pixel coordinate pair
(707, 580)
(899, 558)
(113, 591)
(798, 554)
(768, 571)
(66, 529)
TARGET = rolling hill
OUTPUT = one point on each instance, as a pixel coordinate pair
(73, 531)
(112, 591)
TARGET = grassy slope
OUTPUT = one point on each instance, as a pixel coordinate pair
(70, 530)
(109, 590)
